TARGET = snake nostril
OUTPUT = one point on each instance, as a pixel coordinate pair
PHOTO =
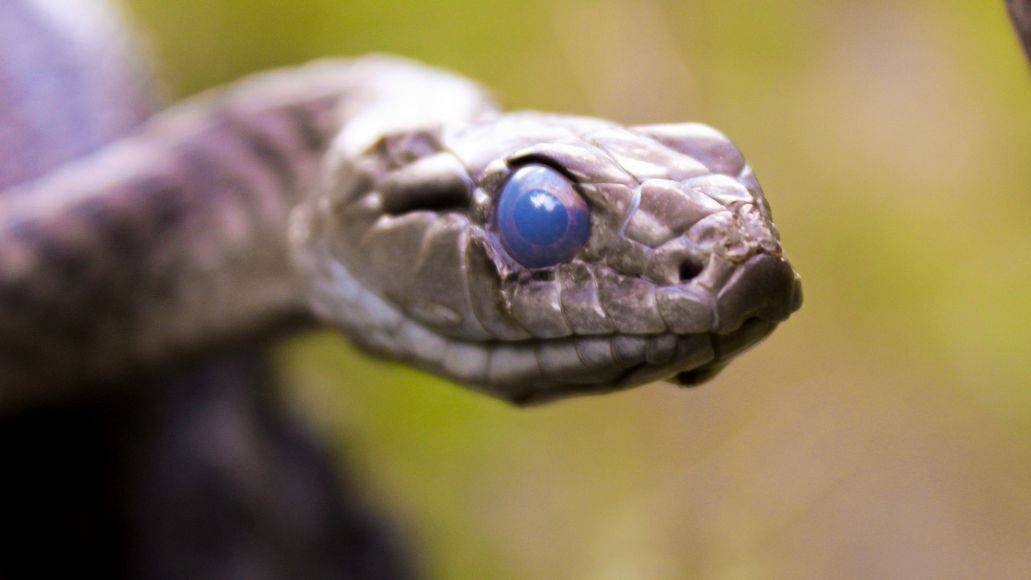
(690, 268)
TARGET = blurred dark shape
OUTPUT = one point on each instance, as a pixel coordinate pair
(203, 476)
(229, 484)
(1020, 12)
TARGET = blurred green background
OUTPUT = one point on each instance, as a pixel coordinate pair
(884, 431)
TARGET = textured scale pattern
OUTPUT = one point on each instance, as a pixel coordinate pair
(365, 194)
(171, 214)
(682, 270)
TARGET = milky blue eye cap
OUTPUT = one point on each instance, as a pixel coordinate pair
(541, 218)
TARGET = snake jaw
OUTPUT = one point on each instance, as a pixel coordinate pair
(682, 270)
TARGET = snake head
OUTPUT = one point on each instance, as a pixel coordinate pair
(537, 256)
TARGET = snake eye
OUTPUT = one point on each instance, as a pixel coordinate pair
(542, 220)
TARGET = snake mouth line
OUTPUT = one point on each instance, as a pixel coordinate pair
(724, 347)
(694, 359)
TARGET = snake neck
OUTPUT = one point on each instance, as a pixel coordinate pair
(174, 240)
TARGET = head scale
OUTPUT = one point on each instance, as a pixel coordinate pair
(676, 267)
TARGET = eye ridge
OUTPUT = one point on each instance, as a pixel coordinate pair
(541, 218)
(538, 159)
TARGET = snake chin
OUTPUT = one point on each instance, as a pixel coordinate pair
(725, 348)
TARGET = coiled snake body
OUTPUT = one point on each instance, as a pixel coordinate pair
(365, 194)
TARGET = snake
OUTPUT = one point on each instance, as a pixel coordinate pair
(530, 256)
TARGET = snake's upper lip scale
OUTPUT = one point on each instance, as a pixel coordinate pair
(744, 316)
(765, 287)
(686, 360)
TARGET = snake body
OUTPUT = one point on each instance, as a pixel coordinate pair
(363, 194)
(194, 469)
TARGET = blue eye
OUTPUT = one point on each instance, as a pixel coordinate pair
(542, 220)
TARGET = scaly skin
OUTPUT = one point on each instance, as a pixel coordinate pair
(171, 477)
(168, 243)
(176, 240)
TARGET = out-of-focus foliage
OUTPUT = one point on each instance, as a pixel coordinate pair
(885, 430)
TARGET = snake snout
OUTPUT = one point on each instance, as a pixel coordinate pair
(764, 287)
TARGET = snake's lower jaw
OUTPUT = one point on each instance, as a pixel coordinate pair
(725, 347)
(686, 360)
(770, 309)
